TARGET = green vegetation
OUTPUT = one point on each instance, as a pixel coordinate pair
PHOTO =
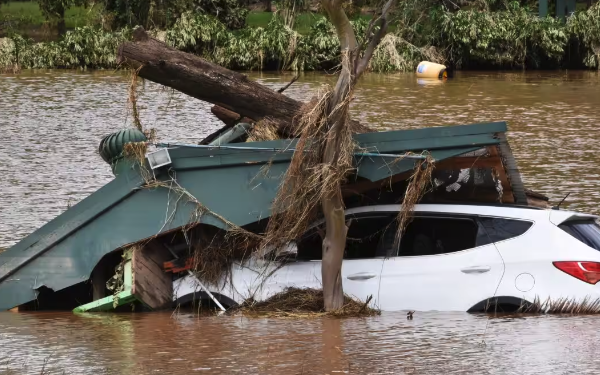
(510, 36)
(84, 48)
(585, 28)
(30, 14)
(304, 20)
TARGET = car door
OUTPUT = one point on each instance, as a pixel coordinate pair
(363, 262)
(444, 263)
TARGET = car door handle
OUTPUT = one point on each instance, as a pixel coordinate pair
(476, 269)
(361, 276)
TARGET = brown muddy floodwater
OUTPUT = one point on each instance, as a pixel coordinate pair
(50, 126)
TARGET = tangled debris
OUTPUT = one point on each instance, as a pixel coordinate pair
(561, 306)
(303, 303)
(418, 185)
(264, 130)
(308, 178)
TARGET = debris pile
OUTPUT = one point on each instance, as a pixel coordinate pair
(303, 303)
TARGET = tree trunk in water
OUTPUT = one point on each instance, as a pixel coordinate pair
(353, 65)
(334, 242)
(212, 83)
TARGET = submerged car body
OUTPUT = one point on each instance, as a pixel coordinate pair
(450, 258)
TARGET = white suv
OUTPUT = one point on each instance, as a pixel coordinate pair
(450, 258)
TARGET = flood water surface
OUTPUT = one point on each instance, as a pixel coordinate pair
(431, 343)
(51, 124)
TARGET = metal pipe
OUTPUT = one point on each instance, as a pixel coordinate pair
(369, 154)
(209, 147)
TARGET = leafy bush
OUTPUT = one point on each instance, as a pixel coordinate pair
(275, 47)
(82, 48)
(198, 33)
(585, 26)
(232, 13)
(466, 38)
(507, 38)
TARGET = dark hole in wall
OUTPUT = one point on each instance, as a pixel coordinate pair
(65, 299)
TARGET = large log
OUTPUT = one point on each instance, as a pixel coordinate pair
(209, 82)
(204, 80)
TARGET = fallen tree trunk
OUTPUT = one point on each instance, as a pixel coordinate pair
(204, 80)
(212, 83)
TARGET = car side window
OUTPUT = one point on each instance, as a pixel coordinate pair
(437, 235)
(310, 245)
(368, 237)
(371, 236)
(498, 229)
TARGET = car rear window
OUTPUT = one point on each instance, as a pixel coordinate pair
(497, 229)
(586, 231)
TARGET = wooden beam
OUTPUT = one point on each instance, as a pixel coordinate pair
(366, 185)
(150, 283)
(493, 161)
(468, 162)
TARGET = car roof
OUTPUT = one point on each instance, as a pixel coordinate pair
(516, 212)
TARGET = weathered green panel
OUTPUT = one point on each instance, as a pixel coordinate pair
(435, 132)
(142, 215)
(68, 222)
(430, 143)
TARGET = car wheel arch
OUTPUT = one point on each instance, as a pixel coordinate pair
(500, 304)
(202, 296)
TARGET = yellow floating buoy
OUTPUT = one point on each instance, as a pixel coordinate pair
(427, 69)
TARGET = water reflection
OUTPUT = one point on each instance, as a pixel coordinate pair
(432, 343)
(52, 122)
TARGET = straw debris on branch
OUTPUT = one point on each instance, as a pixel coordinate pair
(417, 186)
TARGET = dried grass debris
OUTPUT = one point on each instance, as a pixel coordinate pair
(264, 130)
(133, 99)
(303, 303)
(561, 306)
(309, 179)
(417, 187)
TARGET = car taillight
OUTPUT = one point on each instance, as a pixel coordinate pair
(584, 271)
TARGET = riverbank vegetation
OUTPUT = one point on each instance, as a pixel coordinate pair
(471, 35)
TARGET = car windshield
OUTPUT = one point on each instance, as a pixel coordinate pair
(586, 231)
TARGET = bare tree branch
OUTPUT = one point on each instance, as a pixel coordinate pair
(289, 84)
(374, 42)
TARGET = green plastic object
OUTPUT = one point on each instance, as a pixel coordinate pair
(107, 303)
